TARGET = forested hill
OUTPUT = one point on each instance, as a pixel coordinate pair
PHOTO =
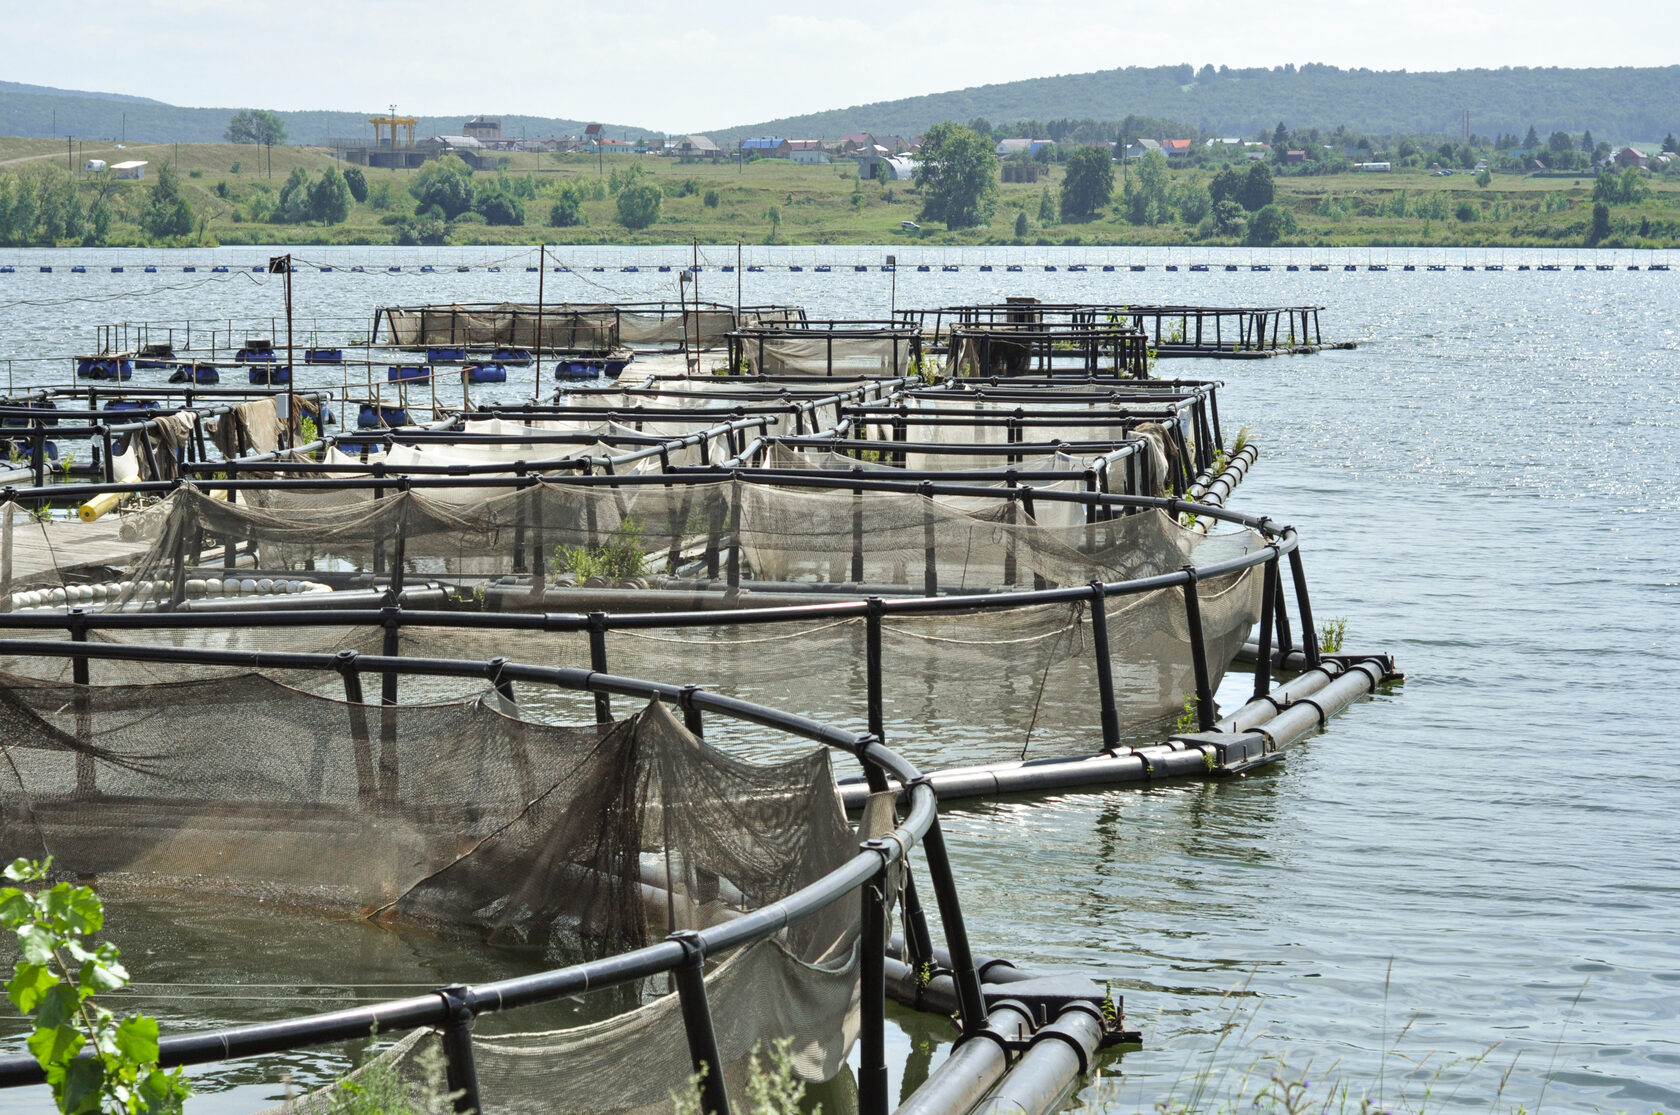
(1623, 103)
(31, 110)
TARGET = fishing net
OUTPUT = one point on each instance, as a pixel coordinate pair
(717, 545)
(822, 353)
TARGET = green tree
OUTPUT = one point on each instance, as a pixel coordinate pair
(167, 212)
(1089, 184)
(1670, 144)
(1046, 208)
(329, 198)
(422, 230)
(1145, 201)
(256, 125)
(1280, 140)
(293, 206)
(1531, 140)
(1227, 185)
(958, 176)
(1257, 191)
(710, 200)
(500, 208)
(1229, 218)
(1020, 224)
(444, 183)
(1483, 179)
(98, 223)
(1271, 224)
(1600, 223)
(357, 183)
(567, 211)
(1192, 201)
(638, 205)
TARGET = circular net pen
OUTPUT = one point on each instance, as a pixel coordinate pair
(972, 621)
(715, 902)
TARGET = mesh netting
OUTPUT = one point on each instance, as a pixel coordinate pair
(820, 353)
(638, 1060)
(528, 830)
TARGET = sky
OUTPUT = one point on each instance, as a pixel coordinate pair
(678, 66)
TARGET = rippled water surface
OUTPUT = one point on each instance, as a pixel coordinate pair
(1479, 864)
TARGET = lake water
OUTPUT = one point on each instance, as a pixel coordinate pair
(1463, 895)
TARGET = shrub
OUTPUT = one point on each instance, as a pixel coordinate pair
(638, 205)
(710, 201)
(55, 979)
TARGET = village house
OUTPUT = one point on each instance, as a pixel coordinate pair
(695, 147)
(807, 151)
(766, 148)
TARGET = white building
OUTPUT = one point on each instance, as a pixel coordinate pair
(134, 169)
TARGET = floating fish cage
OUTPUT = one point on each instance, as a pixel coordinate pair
(598, 828)
(570, 326)
(1059, 544)
(826, 348)
(1170, 330)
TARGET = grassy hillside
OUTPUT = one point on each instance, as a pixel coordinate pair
(29, 110)
(1623, 103)
(828, 205)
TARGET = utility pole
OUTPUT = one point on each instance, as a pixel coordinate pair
(70, 154)
(542, 268)
(282, 265)
(125, 128)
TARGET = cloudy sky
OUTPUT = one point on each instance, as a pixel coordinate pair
(681, 66)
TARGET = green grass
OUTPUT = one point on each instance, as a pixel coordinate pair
(828, 205)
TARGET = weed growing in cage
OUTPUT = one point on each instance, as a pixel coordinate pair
(58, 972)
(773, 1088)
(621, 557)
(377, 1088)
(1331, 633)
(1188, 720)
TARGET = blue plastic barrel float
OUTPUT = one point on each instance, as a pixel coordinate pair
(446, 354)
(78, 270)
(219, 269)
(272, 375)
(119, 405)
(518, 357)
(104, 367)
(486, 373)
(323, 356)
(371, 417)
(201, 374)
(401, 373)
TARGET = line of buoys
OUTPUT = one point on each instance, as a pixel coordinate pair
(72, 596)
(825, 269)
